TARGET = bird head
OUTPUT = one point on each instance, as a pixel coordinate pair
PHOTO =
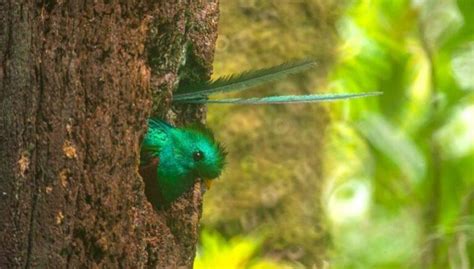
(203, 155)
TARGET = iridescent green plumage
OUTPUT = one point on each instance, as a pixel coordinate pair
(200, 92)
(182, 155)
(172, 158)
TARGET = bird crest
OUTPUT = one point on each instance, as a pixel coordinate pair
(209, 135)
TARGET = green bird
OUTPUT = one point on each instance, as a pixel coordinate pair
(172, 158)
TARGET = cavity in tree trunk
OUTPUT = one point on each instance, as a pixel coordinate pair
(76, 90)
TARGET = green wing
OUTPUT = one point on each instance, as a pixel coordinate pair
(155, 139)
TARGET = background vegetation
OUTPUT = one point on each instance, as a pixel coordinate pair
(396, 186)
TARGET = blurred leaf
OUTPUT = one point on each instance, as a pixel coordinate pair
(456, 137)
(383, 240)
(463, 67)
(395, 145)
(237, 253)
(349, 201)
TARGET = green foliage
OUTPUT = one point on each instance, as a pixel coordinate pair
(236, 253)
(416, 135)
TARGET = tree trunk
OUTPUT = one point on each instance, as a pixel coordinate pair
(76, 89)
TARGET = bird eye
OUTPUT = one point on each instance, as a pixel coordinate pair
(198, 155)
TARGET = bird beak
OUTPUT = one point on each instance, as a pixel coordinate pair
(208, 183)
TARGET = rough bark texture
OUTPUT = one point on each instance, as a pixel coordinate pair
(76, 80)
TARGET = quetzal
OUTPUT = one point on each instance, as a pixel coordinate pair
(172, 158)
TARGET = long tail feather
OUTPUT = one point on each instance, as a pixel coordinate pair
(242, 81)
(284, 99)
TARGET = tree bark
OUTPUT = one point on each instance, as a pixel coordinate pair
(76, 90)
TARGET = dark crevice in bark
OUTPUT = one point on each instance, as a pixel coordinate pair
(39, 173)
(8, 46)
(34, 201)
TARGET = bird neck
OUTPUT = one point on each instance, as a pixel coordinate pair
(174, 175)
